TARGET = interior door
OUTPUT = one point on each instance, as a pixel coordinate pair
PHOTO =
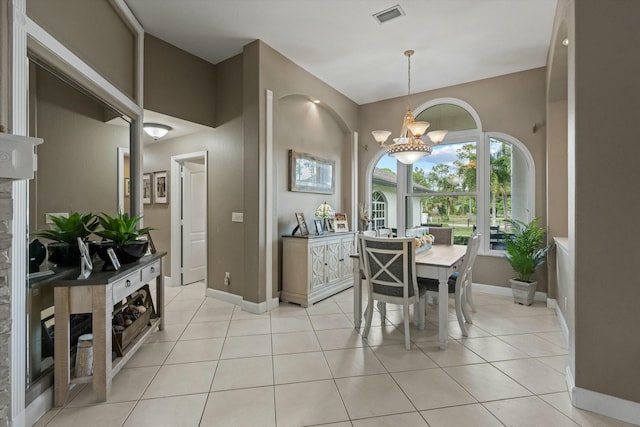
(194, 222)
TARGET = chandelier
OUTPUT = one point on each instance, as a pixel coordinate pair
(409, 147)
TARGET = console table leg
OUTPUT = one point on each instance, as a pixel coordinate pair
(62, 368)
(101, 342)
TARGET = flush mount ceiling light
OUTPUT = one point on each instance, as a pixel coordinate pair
(156, 130)
(408, 147)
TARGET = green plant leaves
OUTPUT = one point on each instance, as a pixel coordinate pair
(524, 248)
(68, 230)
(120, 229)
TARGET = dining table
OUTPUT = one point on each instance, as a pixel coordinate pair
(437, 262)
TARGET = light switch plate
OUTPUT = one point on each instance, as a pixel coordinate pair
(237, 217)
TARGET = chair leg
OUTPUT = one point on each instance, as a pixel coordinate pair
(463, 303)
(368, 317)
(458, 305)
(407, 342)
(382, 308)
(469, 295)
(419, 310)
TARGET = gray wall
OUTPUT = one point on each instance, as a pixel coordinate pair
(95, 32)
(510, 104)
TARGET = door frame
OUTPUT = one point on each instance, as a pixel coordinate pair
(176, 209)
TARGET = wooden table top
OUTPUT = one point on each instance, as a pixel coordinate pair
(441, 255)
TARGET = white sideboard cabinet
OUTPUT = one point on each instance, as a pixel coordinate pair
(316, 267)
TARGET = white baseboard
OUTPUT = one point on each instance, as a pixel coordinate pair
(169, 282)
(251, 307)
(36, 409)
(610, 406)
(501, 290)
(552, 303)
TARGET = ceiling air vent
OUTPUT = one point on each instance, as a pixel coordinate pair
(388, 14)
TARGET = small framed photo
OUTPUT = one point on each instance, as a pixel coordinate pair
(302, 224)
(340, 226)
(146, 188)
(160, 187)
(340, 216)
(114, 258)
(318, 224)
(127, 187)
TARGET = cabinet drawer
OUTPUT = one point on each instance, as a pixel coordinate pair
(150, 272)
(126, 286)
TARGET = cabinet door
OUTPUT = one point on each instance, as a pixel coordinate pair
(332, 259)
(347, 247)
(317, 264)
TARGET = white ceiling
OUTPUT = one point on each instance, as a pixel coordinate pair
(339, 41)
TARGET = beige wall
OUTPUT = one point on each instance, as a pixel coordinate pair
(77, 163)
(95, 32)
(178, 83)
(606, 168)
(510, 104)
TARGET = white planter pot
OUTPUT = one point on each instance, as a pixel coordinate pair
(523, 292)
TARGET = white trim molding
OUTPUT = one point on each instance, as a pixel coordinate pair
(248, 306)
(604, 404)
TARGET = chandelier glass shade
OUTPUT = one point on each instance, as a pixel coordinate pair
(409, 147)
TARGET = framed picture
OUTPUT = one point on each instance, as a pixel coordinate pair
(127, 187)
(302, 225)
(160, 187)
(310, 174)
(319, 228)
(340, 216)
(340, 226)
(114, 258)
(146, 188)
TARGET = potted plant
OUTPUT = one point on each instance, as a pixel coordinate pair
(121, 234)
(525, 251)
(64, 231)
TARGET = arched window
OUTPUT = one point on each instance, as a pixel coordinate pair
(378, 210)
(472, 180)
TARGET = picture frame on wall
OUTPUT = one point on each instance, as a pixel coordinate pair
(302, 225)
(127, 187)
(311, 174)
(146, 188)
(160, 186)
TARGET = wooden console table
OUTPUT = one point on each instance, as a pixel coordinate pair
(97, 295)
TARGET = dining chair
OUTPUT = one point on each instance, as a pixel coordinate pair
(442, 235)
(390, 273)
(459, 284)
(384, 232)
(370, 233)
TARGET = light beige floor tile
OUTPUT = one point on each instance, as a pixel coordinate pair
(533, 345)
(334, 339)
(534, 375)
(432, 388)
(184, 411)
(48, 416)
(243, 373)
(286, 309)
(240, 314)
(249, 346)
(204, 330)
(127, 386)
(372, 395)
(244, 327)
(352, 362)
(473, 331)
(302, 404)
(455, 354)
(295, 342)
(213, 302)
(327, 306)
(191, 292)
(528, 411)
(195, 351)
(169, 333)
(213, 314)
(493, 349)
(246, 407)
(385, 335)
(190, 305)
(347, 306)
(179, 317)
(346, 295)
(187, 378)
(331, 321)
(556, 338)
(466, 415)
(519, 325)
(300, 367)
(395, 358)
(342, 424)
(486, 382)
(151, 354)
(290, 324)
(559, 363)
(428, 334)
(562, 403)
(108, 415)
(411, 419)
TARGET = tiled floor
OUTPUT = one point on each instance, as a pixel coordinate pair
(215, 365)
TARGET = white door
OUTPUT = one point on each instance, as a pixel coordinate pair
(194, 222)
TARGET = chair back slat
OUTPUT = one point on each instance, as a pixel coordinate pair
(469, 258)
